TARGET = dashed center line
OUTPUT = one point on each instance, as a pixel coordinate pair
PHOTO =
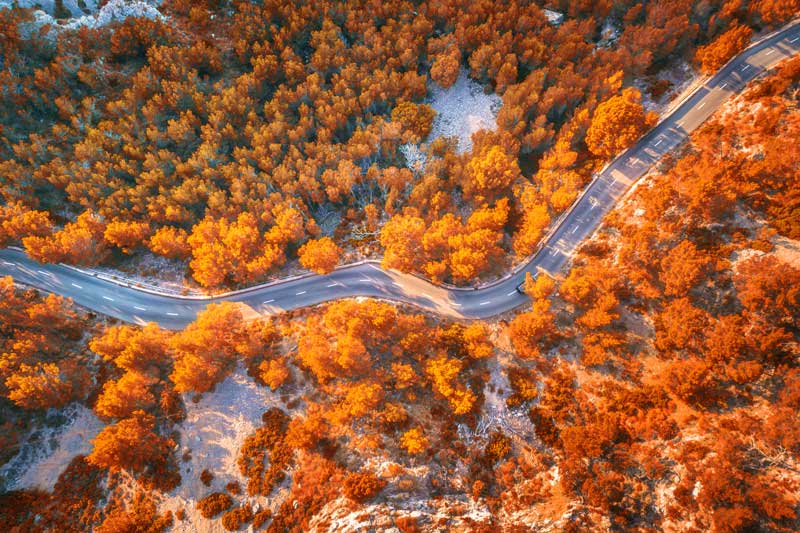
(485, 303)
(745, 67)
(172, 314)
(701, 105)
(269, 301)
(574, 230)
(397, 284)
(7, 263)
(300, 293)
(76, 285)
(332, 285)
(794, 40)
(723, 85)
(365, 279)
(512, 293)
(139, 308)
(658, 142)
(107, 298)
(42, 272)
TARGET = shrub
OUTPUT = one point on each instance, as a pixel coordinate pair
(362, 486)
(236, 518)
(497, 448)
(206, 477)
(213, 504)
(261, 517)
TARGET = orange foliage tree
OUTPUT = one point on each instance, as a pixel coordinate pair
(715, 54)
(617, 123)
(130, 444)
(206, 350)
(320, 255)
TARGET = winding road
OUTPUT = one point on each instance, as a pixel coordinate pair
(367, 279)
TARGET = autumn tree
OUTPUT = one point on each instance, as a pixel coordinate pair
(401, 238)
(682, 268)
(17, 221)
(715, 54)
(131, 444)
(535, 220)
(617, 123)
(443, 372)
(79, 243)
(130, 393)
(126, 235)
(491, 172)
(143, 350)
(532, 329)
(417, 119)
(206, 350)
(445, 68)
(319, 255)
(171, 242)
(46, 385)
(414, 441)
(235, 251)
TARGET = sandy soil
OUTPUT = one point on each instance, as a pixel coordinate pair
(48, 449)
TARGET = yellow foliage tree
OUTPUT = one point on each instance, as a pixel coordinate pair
(414, 441)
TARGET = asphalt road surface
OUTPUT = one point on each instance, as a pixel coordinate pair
(135, 305)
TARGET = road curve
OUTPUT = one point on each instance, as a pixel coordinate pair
(136, 305)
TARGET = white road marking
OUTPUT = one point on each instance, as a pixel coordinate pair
(456, 305)
(794, 40)
(332, 285)
(593, 206)
(76, 286)
(425, 294)
(574, 229)
(269, 301)
(553, 251)
(44, 273)
(701, 105)
(172, 314)
(109, 299)
(723, 85)
(745, 67)
(365, 279)
(398, 284)
(300, 293)
(769, 51)
(512, 293)
(485, 303)
(139, 308)
(658, 142)
(7, 263)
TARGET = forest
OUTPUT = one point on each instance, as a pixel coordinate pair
(656, 394)
(217, 136)
(654, 386)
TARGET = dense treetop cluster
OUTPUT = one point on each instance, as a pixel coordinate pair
(216, 134)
